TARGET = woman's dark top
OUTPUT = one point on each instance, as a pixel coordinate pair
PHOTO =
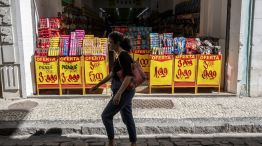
(125, 61)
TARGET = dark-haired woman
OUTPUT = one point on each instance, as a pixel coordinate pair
(122, 97)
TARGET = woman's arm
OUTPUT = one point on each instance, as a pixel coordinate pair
(124, 85)
(122, 88)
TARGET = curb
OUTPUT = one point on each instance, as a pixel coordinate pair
(103, 96)
(144, 127)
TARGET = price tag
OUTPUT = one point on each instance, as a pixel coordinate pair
(95, 69)
(46, 70)
(70, 70)
(142, 57)
(209, 70)
(185, 68)
(161, 70)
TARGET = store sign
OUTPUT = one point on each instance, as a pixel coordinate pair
(46, 70)
(142, 57)
(209, 70)
(161, 69)
(70, 70)
(95, 69)
(185, 68)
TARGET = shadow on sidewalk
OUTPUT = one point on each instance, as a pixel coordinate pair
(10, 121)
(12, 118)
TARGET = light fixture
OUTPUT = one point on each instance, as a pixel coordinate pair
(117, 11)
(142, 12)
(102, 10)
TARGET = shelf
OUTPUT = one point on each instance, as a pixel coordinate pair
(188, 16)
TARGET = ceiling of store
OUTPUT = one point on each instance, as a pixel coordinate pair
(125, 15)
(122, 11)
(126, 11)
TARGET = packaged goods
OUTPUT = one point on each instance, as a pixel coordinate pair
(180, 44)
(191, 46)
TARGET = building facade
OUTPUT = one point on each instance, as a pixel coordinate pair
(239, 31)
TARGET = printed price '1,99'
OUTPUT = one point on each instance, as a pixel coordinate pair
(160, 72)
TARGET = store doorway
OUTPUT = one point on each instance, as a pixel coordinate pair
(205, 19)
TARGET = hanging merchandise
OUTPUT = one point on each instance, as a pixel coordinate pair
(44, 23)
(54, 47)
(80, 34)
(208, 48)
(76, 43)
(180, 44)
(42, 47)
(48, 33)
(88, 44)
(103, 46)
(139, 37)
(168, 45)
(162, 44)
(191, 46)
(64, 45)
(43, 42)
(154, 43)
(49, 27)
(94, 45)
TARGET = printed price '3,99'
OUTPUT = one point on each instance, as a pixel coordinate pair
(71, 78)
(47, 78)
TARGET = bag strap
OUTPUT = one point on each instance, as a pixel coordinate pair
(119, 60)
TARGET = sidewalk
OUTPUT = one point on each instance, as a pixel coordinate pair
(152, 115)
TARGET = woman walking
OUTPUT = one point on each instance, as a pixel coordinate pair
(122, 97)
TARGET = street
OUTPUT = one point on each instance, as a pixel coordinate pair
(142, 141)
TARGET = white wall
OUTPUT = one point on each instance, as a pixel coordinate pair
(234, 45)
(26, 42)
(256, 59)
(213, 14)
(213, 19)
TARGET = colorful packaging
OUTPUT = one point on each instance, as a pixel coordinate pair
(180, 45)
(191, 46)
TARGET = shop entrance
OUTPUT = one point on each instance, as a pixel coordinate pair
(181, 44)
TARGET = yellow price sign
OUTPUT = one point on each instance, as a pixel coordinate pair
(46, 70)
(70, 70)
(161, 70)
(142, 57)
(185, 68)
(95, 69)
(209, 70)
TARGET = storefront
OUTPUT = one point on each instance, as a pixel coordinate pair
(183, 46)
